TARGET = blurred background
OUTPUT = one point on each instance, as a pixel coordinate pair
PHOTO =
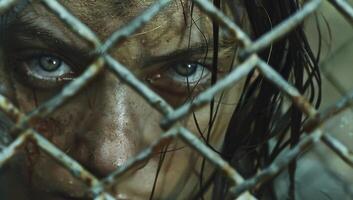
(321, 174)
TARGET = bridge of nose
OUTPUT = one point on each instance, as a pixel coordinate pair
(119, 127)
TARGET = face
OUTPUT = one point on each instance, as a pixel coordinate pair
(109, 123)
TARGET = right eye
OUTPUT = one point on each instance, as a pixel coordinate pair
(45, 71)
(180, 80)
(189, 73)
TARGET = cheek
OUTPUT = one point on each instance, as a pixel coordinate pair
(61, 127)
(26, 98)
(65, 118)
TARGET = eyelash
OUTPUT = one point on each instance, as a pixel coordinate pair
(27, 66)
(27, 63)
(181, 85)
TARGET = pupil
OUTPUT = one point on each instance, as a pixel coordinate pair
(186, 69)
(49, 63)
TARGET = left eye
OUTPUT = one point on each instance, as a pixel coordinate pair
(189, 73)
(46, 71)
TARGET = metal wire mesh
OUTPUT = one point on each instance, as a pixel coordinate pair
(251, 60)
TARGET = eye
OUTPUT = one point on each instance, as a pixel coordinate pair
(189, 73)
(49, 63)
(186, 69)
(178, 81)
(46, 71)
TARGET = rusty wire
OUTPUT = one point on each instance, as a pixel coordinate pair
(169, 123)
(6, 5)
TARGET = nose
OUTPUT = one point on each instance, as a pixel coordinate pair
(114, 132)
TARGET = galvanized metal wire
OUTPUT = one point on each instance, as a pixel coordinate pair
(248, 48)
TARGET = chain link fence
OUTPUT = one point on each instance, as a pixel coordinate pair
(250, 60)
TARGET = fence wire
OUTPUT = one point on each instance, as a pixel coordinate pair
(250, 60)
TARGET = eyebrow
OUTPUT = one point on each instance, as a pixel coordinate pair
(28, 30)
(196, 49)
(200, 48)
(82, 57)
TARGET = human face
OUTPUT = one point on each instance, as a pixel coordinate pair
(108, 122)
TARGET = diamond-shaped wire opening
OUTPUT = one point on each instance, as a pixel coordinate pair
(172, 116)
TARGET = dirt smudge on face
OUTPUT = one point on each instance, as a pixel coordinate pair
(47, 127)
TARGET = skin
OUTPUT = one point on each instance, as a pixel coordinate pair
(108, 123)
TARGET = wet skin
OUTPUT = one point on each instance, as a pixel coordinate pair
(108, 123)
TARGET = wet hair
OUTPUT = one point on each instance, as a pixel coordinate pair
(5, 20)
(260, 115)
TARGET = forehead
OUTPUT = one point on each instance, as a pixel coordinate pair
(167, 31)
(105, 13)
(106, 16)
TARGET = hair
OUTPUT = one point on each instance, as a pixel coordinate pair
(5, 20)
(259, 115)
